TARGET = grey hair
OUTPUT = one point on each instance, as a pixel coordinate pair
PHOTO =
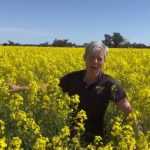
(96, 46)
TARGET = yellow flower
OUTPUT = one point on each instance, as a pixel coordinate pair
(41, 143)
(15, 143)
(3, 143)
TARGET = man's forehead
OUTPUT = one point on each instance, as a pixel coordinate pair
(96, 53)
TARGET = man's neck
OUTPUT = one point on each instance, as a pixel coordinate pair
(89, 78)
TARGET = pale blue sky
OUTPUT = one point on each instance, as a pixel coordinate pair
(80, 21)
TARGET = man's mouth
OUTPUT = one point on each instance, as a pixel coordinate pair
(94, 67)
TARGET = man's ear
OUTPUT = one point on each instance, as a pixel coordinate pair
(105, 56)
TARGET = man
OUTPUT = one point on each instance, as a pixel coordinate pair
(95, 90)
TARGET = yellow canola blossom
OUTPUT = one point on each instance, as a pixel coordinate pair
(39, 117)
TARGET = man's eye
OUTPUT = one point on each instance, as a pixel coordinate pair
(91, 57)
(99, 59)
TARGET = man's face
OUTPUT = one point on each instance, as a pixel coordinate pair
(94, 62)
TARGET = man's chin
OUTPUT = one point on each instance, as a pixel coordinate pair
(95, 72)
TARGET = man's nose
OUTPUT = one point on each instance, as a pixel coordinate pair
(95, 60)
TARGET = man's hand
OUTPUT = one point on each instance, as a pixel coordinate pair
(125, 106)
(15, 88)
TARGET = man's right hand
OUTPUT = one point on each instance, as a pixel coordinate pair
(15, 88)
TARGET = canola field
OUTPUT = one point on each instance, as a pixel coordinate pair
(38, 118)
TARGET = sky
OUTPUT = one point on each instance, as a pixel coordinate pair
(80, 21)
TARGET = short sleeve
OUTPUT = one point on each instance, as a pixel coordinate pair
(64, 84)
(117, 92)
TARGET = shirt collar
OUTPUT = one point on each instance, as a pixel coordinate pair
(99, 76)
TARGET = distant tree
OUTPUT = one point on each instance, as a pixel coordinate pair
(17, 44)
(11, 43)
(117, 39)
(62, 43)
(5, 44)
(138, 45)
(108, 40)
(85, 44)
(44, 44)
(127, 44)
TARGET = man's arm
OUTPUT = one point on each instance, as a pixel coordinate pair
(15, 88)
(125, 106)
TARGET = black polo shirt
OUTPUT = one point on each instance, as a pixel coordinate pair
(94, 99)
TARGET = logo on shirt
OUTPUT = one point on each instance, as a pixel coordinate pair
(99, 89)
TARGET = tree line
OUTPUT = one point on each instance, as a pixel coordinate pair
(115, 40)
